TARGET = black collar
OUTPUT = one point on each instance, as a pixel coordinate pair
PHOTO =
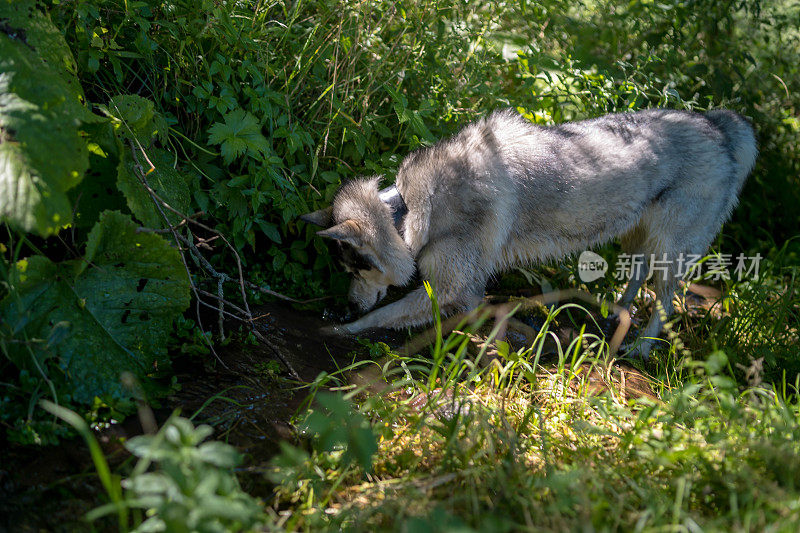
(391, 197)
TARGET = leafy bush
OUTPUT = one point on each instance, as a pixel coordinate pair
(342, 437)
(70, 328)
(297, 98)
(193, 487)
(180, 482)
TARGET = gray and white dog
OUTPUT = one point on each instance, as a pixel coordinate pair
(504, 192)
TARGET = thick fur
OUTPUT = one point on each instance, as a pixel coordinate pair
(505, 192)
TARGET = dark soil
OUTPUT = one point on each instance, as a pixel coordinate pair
(51, 488)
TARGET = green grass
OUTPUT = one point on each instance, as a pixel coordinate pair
(574, 443)
(466, 433)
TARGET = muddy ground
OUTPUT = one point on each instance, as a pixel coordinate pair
(51, 488)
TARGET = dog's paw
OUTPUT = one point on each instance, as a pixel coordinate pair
(340, 330)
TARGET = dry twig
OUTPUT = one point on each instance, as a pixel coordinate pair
(243, 313)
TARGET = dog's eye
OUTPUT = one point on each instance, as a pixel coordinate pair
(373, 264)
(357, 261)
(351, 260)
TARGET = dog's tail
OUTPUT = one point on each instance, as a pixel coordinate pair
(740, 141)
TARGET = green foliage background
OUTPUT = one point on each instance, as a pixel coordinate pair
(254, 112)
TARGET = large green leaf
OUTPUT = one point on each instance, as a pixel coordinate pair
(167, 183)
(240, 134)
(42, 154)
(23, 21)
(116, 304)
(98, 192)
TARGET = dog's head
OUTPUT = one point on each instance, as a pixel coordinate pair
(367, 245)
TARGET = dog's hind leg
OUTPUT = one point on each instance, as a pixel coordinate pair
(651, 245)
(633, 245)
(634, 284)
(671, 239)
(665, 282)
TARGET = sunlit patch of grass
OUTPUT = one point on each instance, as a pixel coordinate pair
(472, 433)
(518, 441)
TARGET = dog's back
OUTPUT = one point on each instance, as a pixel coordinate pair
(543, 192)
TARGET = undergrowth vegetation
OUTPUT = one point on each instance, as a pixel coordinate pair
(473, 435)
(467, 441)
(153, 153)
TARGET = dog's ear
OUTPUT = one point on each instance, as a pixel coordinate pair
(348, 231)
(321, 217)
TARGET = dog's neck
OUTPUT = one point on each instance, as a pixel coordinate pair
(392, 198)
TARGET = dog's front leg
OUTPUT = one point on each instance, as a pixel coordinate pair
(413, 310)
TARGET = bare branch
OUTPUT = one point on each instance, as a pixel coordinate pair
(158, 202)
(243, 313)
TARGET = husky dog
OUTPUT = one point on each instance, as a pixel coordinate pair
(504, 192)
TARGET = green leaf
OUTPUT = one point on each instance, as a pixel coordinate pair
(219, 454)
(270, 230)
(167, 183)
(336, 424)
(330, 176)
(383, 130)
(278, 261)
(97, 192)
(42, 154)
(239, 135)
(151, 483)
(136, 116)
(238, 181)
(419, 127)
(22, 22)
(118, 301)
